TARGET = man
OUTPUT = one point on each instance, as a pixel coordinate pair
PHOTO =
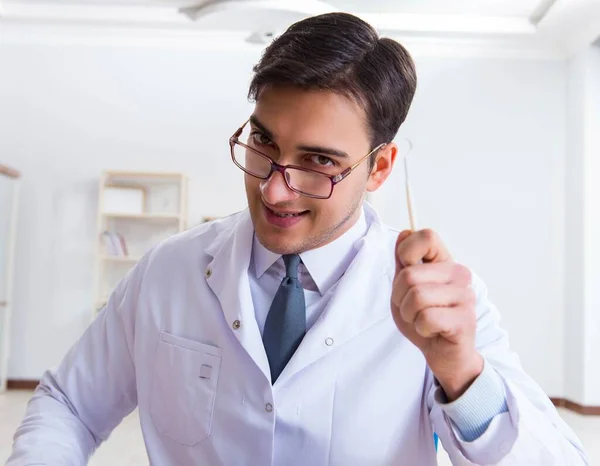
(302, 331)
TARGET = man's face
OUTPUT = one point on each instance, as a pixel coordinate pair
(287, 122)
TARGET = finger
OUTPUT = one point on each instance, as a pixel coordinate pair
(421, 274)
(422, 245)
(442, 273)
(442, 321)
(424, 296)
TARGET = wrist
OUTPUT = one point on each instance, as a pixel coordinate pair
(457, 381)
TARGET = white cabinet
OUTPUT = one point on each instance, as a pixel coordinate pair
(9, 180)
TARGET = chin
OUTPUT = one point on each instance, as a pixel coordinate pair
(278, 243)
(278, 240)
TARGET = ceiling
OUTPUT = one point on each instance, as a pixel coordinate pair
(507, 8)
(512, 8)
(564, 25)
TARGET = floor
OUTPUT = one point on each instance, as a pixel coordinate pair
(126, 448)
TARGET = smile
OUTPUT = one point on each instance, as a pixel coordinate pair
(283, 219)
(287, 215)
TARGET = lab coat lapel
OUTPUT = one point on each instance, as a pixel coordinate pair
(227, 276)
(360, 300)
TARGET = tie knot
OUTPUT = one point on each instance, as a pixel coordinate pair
(292, 262)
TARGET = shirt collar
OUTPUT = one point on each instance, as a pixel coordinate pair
(326, 264)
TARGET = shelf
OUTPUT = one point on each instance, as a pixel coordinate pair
(120, 259)
(146, 210)
(144, 216)
(153, 176)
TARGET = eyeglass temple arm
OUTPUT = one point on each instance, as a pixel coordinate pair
(347, 171)
(239, 131)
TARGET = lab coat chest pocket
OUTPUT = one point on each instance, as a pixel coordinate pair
(186, 374)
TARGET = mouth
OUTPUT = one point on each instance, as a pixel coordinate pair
(286, 215)
(282, 218)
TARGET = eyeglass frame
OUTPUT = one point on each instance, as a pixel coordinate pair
(275, 167)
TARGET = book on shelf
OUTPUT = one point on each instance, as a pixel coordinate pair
(115, 244)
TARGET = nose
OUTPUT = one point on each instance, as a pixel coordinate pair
(275, 190)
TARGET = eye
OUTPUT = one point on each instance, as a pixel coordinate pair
(260, 139)
(322, 161)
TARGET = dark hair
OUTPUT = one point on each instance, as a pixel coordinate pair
(341, 53)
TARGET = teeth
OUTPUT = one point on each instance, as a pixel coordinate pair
(286, 215)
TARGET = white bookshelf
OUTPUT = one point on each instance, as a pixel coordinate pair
(142, 208)
(158, 217)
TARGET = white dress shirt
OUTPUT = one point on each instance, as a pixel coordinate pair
(318, 274)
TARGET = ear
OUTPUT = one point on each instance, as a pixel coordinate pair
(383, 166)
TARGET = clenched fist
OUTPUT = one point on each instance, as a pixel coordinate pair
(433, 305)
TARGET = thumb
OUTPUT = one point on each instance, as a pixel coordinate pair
(401, 237)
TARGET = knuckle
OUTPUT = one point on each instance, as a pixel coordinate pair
(426, 317)
(467, 273)
(428, 235)
(461, 273)
(407, 276)
(425, 323)
(470, 298)
(416, 297)
(409, 306)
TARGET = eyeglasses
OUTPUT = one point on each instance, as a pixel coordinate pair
(248, 153)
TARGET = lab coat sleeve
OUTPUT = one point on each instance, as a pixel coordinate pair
(76, 406)
(531, 432)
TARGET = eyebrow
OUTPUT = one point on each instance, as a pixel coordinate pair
(313, 149)
(260, 126)
(324, 151)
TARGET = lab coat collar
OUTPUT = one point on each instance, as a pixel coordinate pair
(227, 276)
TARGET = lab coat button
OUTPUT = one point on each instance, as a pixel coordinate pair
(268, 407)
(208, 273)
(329, 341)
(236, 324)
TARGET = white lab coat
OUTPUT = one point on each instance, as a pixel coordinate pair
(179, 339)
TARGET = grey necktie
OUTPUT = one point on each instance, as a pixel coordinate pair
(286, 322)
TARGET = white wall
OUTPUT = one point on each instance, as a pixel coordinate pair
(487, 173)
(582, 260)
(489, 139)
(69, 112)
(574, 277)
(592, 226)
